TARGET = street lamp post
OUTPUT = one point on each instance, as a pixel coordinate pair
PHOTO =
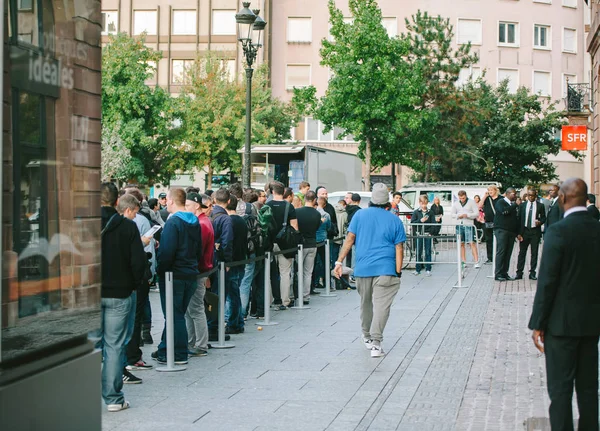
(250, 29)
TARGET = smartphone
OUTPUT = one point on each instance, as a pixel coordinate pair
(152, 231)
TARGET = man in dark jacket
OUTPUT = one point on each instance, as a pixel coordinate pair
(353, 206)
(591, 207)
(532, 216)
(555, 213)
(506, 228)
(489, 210)
(566, 311)
(233, 278)
(223, 228)
(123, 265)
(179, 252)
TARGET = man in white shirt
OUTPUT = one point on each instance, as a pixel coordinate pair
(532, 215)
(465, 211)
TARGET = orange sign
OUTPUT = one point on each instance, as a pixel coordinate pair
(574, 138)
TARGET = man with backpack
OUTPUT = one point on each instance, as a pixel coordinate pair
(254, 248)
(284, 215)
(309, 222)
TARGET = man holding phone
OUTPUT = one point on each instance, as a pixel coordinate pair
(425, 220)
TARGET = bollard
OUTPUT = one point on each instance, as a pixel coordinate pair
(494, 247)
(300, 297)
(459, 259)
(170, 327)
(267, 311)
(328, 293)
(221, 343)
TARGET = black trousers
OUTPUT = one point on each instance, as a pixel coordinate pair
(505, 241)
(257, 297)
(531, 237)
(133, 351)
(572, 360)
(489, 242)
(275, 282)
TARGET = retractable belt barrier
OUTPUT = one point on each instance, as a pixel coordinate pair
(170, 327)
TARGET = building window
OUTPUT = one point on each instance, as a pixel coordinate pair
(541, 36)
(469, 30)
(542, 83)
(229, 67)
(569, 40)
(543, 1)
(297, 76)
(179, 71)
(144, 21)
(567, 79)
(223, 23)
(28, 19)
(110, 22)
(299, 30)
(513, 78)
(391, 26)
(184, 22)
(314, 131)
(468, 73)
(508, 33)
(570, 3)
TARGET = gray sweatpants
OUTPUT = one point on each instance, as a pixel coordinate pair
(195, 318)
(376, 297)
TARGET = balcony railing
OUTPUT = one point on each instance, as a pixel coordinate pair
(578, 98)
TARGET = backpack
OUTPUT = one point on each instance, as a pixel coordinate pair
(287, 237)
(255, 239)
(268, 227)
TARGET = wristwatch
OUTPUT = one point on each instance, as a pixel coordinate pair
(338, 263)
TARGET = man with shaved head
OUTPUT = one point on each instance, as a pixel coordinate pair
(566, 310)
(555, 213)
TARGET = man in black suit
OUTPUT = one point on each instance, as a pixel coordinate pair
(555, 213)
(591, 206)
(532, 216)
(506, 228)
(566, 310)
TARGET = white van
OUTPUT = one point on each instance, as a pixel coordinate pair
(446, 191)
(365, 198)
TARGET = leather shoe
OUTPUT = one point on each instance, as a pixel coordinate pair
(509, 278)
(216, 337)
(532, 277)
(518, 277)
(500, 279)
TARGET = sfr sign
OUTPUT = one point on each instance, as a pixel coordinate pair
(574, 138)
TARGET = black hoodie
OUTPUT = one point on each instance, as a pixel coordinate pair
(123, 258)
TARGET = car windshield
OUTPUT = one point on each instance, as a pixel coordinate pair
(409, 197)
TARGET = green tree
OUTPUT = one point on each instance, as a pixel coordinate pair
(374, 92)
(451, 113)
(213, 112)
(137, 120)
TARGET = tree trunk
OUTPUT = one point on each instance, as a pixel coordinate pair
(427, 170)
(367, 184)
(209, 176)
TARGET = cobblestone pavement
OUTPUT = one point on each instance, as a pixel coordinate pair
(457, 359)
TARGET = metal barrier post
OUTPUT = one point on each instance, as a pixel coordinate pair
(267, 311)
(221, 343)
(459, 260)
(170, 327)
(494, 248)
(328, 293)
(300, 296)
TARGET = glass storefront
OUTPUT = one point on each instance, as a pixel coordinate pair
(50, 206)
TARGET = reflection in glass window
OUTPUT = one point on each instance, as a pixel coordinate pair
(180, 68)
(144, 21)
(312, 129)
(110, 22)
(28, 22)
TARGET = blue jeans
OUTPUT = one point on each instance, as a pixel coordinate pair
(246, 285)
(424, 244)
(233, 278)
(115, 332)
(183, 290)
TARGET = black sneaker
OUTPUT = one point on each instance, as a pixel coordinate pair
(216, 337)
(163, 361)
(229, 330)
(130, 379)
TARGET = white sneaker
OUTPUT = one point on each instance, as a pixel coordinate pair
(427, 273)
(477, 265)
(368, 343)
(377, 351)
(118, 407)
(416, 273)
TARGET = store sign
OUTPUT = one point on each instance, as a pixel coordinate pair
(39, 74)
(574, 138)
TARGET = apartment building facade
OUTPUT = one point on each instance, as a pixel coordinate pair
(593, 47)
(534, 43)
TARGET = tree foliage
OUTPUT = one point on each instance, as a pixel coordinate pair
(373, 93)
(213, 108)
(136, 119)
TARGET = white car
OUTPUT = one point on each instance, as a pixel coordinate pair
(365, 198)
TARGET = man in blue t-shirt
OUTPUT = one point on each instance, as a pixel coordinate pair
(379, 238)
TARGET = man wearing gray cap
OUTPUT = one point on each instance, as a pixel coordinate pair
(379, 238)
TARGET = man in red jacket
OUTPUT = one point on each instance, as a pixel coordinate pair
(195, 316)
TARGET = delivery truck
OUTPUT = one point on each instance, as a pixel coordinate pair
(291, 164)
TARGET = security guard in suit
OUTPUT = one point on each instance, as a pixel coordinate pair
(532, 216)
(566, 310)
(555, 212)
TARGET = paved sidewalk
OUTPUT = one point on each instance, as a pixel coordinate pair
(457, 358)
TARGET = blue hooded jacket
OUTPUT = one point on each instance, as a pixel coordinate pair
(180, 247)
